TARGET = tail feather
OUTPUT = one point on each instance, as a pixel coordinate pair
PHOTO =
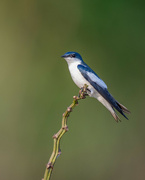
(116, 117)
(124, 109)
(113, 104)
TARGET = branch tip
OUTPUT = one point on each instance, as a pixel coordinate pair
(80, 91)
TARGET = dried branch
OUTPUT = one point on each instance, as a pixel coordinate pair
(64, 128)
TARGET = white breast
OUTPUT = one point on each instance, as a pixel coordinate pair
(77, 77)
(79, 80)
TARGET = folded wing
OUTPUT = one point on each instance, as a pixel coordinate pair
(101, 88)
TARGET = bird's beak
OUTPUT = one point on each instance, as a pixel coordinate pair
(63, 56)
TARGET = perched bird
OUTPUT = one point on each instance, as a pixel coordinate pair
(82, 74)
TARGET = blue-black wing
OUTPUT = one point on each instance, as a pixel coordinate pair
(99, 85)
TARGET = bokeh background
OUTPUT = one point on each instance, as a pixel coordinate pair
(36, 88)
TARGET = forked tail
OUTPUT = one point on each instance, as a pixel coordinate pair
(123, 110)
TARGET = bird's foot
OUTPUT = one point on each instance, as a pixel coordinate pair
(83, 92)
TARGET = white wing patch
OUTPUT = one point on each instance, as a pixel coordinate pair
(99, 81)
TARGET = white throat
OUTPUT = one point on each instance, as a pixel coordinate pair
(70, 61)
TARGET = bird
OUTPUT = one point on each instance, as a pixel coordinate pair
(82, 74)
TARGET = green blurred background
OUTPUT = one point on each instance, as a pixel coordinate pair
(36, 88)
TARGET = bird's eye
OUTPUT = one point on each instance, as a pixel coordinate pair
(72, 55)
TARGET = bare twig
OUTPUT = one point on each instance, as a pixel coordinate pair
(64, 128)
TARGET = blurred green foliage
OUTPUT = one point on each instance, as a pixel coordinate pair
(36, 88)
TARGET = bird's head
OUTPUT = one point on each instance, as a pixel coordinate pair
(72, 57)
